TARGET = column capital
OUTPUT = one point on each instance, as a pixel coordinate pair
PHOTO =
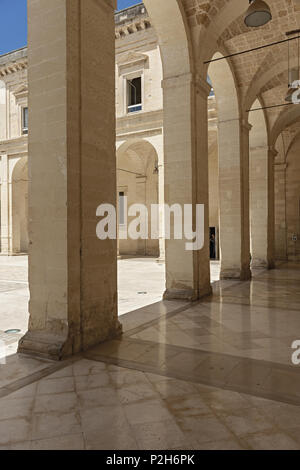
(177, 80)
(189, 78)
(202, 86)
(280, 166)
(273, 152)
(243, 123)
(259, 147)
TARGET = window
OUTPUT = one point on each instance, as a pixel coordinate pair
(134, 93)
(24, 121)
(121, 208)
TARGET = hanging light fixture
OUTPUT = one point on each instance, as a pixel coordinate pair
(293, 76)
(258, 14)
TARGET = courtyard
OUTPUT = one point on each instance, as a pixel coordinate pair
(141, 282)
(185, 375)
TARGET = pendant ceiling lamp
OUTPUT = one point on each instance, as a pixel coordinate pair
(293, 76)
(258, 14)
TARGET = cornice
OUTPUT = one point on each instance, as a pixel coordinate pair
(21, 92)
(135, 26)
(139, 134)
(13, 67)
(150, 123)
(131, 58)
(14, 146)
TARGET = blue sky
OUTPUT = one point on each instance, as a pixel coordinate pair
(13, 23)
(126, 3)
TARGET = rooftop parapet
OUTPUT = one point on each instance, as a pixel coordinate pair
(129, 14)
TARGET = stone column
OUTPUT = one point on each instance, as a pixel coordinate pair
(72, 170)
(234, 199)
(5, 228)
(161, 201)
(262, 206)
(186, 180)
(271, 209)
(280, 211)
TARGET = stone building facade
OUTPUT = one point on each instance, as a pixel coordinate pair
(139, 139)
(14, 152)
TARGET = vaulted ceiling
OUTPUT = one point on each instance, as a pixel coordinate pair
(260, 74)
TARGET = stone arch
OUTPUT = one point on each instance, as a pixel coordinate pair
(137, 178)
(210, 31)
(259, 128)
(293, 200)
(19, 209)
(291, 143)
(185, 105)
(280, 147)
(62, 323)
(224, 85)
(233, 172)
(285, 119)
(264, 76)
(222, 20)
(213, 183)
(262, 221)
(170, 24)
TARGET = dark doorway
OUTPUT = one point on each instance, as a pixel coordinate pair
(212, 243)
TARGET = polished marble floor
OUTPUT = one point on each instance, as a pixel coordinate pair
(216, 374)
(141, 282)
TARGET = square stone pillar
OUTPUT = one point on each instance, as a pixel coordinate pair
(72, 170)
(186, 180)
(161, 200)
(271, 209)
(5, 228)
(234, 199)
(262, 206)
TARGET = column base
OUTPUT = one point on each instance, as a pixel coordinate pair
(44, 344)
(238, 274)
(282, 258)
(271, 264)
(190, 295)
(262, 264)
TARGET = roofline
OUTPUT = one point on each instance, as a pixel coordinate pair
(128, 8)
(116, 13)
(12, 52)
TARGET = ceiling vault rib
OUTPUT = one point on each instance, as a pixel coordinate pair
(251, 50)
(268, 107)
